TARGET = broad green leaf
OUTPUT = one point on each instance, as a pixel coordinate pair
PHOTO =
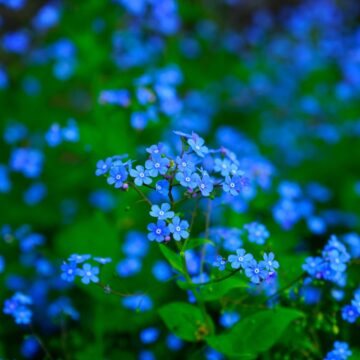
(217, 290)
(173, 258)
(186, 321)
(255, 334)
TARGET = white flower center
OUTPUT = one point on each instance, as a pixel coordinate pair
(88, 273)
(256, 271)
(178, 228)
(161, 213)
(202, 186)
(241, 258)
(157, 165)
(118, 177)
(187, 179)
(141, 175)
(70, 271)
(158, 231)
(184, 164)
(270, 263)
(232, 185)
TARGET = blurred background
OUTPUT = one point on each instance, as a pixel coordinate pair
(276, 82)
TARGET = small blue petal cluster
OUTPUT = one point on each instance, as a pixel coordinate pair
(257, 233)
(87, 272)
(331, 266)
(255, 271)
(18, 307)
(351, 312)
(57, 134)
(340, 352)
(194, 169)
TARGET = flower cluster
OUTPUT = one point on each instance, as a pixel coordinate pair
(341, 351)
(18, 307)
(87, 272)
(195, 169)
(255, 271)
(331, 266)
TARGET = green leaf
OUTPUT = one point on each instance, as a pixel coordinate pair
(255, 334)
(217, 290)
(186, 321)
(173, 258)
(195, 243)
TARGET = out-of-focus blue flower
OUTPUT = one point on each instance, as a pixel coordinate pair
(174, 343)
(3, 78)
(70, 132)
(5, 184)
(135, 244)
(47, 17)
(162, 187)
(103, 200)
(162, 271)
(149, 335)
(35, 194)
(27, 161)
(341, 351)
(15, 132)
(138, 302)
(229, 318)
(16, 42)
(128, 267)
(30, 347)
(350, 313)
(257, 233)
(115, 97)
(78, 259)
(30, 241)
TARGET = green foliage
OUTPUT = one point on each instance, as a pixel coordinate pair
(255, 334)
(186, 321)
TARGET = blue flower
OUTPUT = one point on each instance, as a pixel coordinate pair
(158, 231)
(78, 259)
(149, 335)
(233, 185)
(68, 271)
(186, 162)
(350, 313)
(162, 271)
(118, 175)
(141, 176)
(229, 319)
(103, 261)
(256, 271)
(156, 149)
(162, 187)
(220, 263)
(205, 184)
(187, 179)
(179, 228)
(128, 267)
(102, 167)
(197, 144)
(240, 260)
(162, 212)
(173, 342)
(156, 165)
(22, 315)
(269, 262)
(223, 166)
(257, 233)
(314, 266)
(88, 274)
(341, 351)
(138, 302)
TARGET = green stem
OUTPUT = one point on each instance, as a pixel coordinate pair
(141, 194)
